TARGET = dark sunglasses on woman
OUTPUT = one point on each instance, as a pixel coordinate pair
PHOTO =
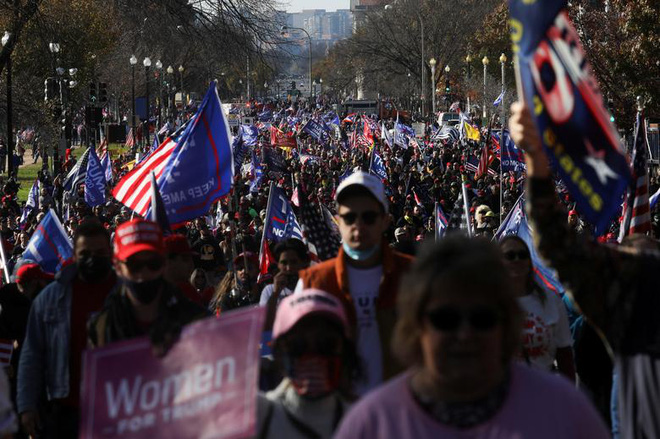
(449, 318)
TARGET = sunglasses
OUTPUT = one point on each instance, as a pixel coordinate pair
(369, 217)
(153, 264)
(449, 318)
(521, 255)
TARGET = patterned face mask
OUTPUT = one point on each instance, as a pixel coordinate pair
(313, 375)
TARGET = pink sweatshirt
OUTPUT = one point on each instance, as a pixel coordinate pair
(539, 406)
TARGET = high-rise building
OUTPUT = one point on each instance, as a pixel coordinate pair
(359, 8)
(328, 27)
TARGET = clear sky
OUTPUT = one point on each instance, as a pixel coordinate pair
(328, 5)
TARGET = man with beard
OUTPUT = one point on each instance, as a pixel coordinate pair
(145, 303)
(56, 335)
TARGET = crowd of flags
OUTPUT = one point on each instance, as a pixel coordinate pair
(159, 187)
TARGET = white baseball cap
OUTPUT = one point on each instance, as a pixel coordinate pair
(370, 182)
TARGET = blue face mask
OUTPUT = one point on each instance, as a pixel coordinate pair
(359, 255)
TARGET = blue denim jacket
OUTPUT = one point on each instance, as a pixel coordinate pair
(45, 355)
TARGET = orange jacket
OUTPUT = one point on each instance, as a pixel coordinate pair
(332, 276)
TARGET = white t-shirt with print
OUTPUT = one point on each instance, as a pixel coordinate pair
(545, 328)
(268, 291)
(364, 285)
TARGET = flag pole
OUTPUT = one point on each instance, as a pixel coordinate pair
(263, 234)
(435, 215)
(502, 121)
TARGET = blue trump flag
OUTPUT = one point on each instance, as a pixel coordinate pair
(377, 166)
(273, 160)
(512, 158)
(281, 221)
(562, 93)
(250, 134)
(516, 224)
(106, 164)
(32, 201)
(94, 181)
(50, 247)
(201, 167)
(317, 130)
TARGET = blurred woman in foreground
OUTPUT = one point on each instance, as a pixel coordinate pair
(458, 332)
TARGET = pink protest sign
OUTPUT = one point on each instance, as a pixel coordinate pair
(205, 387)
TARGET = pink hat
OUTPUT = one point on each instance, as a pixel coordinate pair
(297, 306)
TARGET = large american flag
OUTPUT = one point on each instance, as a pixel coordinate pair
(133, 190)
(636, 209)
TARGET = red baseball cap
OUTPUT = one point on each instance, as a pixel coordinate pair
(177, 244)
(30, 272)
(138, 235)
(311, 301)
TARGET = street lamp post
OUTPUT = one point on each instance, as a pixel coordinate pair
(432, 63)
(170, 72)
(503, 115)
(159, 71)
(67, 115)
(447, 91)
(10, 130)
(55, 49)
(485, 62)
(309, 38)
(314, 85)
(265, 89)
(181, 69)
(468, 60)
(133, 60)
(147, 64)
(321, 86)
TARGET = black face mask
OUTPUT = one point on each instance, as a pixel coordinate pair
(146, 291)
(94, 268)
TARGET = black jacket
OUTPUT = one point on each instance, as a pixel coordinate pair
(116, 321)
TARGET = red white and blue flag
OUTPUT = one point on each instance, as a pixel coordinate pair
(441, 222)
(281, 222)
(558, 84)
(50, 246)
(636, 207)
(205, 148)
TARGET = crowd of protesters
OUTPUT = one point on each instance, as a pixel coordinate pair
(381, 336)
